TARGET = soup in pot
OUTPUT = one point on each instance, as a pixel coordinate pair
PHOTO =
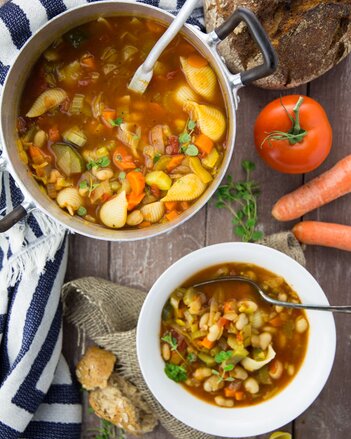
(112, 156)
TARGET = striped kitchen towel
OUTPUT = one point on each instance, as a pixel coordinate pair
(37, 396)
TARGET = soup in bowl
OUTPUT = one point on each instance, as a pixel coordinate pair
(219, 358)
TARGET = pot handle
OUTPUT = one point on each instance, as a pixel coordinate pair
(12, 218)
(270, 59)
(18, 212)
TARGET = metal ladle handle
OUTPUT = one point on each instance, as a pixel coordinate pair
(336, 308)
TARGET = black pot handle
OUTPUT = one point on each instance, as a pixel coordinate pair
(12, 218)
(270, 59)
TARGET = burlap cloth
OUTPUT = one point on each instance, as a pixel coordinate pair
(107, 313)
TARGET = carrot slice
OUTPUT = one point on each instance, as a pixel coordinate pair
(137, 182)
(134, 199)
(175, 161)
(37, 155)
(239, 395)
(171, 205)
(184, 205)
(144, 224)
(325, 234)
(204, 143)
(229, 393)
(123, 159)
(206, 343)
(88, 61)
(108, 114)
(197, 61)
(173, 214)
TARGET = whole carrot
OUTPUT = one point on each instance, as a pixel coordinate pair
(321, 190)
(325, 234)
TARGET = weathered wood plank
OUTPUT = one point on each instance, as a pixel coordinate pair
(329, 416)
(273, 184)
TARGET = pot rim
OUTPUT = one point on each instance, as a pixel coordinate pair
(31, 189)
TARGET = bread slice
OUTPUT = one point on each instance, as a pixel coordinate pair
(121, 404)
(95, 368)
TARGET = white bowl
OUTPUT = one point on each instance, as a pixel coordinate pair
(245, 421)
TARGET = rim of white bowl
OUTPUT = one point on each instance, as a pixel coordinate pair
(281, 409)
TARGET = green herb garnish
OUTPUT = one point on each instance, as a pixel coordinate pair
(102, 162)
(108, 431)
(83, 184)
(122, 175)
(175, 372)
(82, 211)
(116, 122)
(156, 158)
(173, 344)
(222, 358)
(241, 200)
(191, 357)
(186, 147)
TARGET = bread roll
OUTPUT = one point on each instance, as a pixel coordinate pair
(95, 368)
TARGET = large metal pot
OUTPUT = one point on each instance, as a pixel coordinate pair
(18, 74)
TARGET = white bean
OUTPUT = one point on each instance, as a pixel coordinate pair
(212, 384)
(166, 352)
(204, 320)
(224, 402)
(283, 297)
(104, 174)
(192, 382)
(247, 306)
(201, 373)
(241, 322)
(301, 324)
(239, 373)
(214, 333)
(265, 340)
(251, 385)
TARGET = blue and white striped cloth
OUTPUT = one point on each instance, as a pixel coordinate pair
(37, 396)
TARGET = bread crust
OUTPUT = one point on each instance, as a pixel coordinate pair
(95, 367)
(121, 404)
(309, 36)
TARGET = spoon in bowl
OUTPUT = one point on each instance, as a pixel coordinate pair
(143, 75)
(265, 297)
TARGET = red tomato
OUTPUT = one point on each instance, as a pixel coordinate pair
(293, 146)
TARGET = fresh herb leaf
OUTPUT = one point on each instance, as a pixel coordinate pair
(184, 138)
(83, 184)
(191, 125)
(82, 211)
(191, 357)
(192, 150)
(215, 372)
(223, 356)
(102, 162)
(175, 372)
(116, 122)
(240, 198)
(172, 341)
(122, 175)
(156, 158)
(228, 367)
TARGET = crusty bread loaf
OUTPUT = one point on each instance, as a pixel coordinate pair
(95, 368)
(121, 404)
(310, 37)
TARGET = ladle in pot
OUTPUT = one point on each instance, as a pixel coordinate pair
(266, 298)
(143, 75)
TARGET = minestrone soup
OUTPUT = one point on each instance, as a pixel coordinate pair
(227, 346)
(109, 155)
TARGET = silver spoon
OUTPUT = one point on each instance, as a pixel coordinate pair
(265, 297)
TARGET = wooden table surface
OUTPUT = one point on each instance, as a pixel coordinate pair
(139, 264)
